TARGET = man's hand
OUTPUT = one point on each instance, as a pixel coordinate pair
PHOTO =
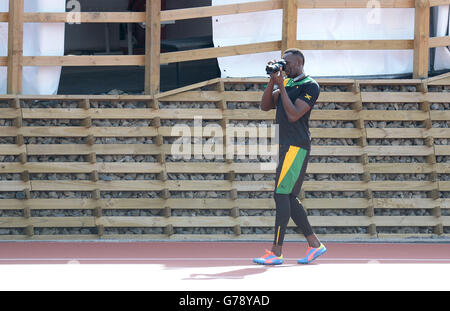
(270, 97)
(277, 78)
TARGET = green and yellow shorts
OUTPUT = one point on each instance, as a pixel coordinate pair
(291, 169)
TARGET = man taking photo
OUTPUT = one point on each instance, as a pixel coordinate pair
(293, 98)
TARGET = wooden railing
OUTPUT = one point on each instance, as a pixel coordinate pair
(154, 16)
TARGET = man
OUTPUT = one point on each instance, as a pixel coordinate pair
(293, 98)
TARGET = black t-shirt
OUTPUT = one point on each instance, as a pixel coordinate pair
(297, 133)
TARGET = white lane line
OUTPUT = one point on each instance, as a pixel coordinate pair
(219, 259)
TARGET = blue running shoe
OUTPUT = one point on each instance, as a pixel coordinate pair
(269, 259)
(312, 253)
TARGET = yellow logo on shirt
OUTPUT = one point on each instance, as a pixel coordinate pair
(307, 96)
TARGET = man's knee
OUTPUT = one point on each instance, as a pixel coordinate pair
(281, 200)
(282, 196)
(294, 198)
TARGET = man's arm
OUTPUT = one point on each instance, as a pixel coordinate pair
(270, 97)
(302, 105)
(296, 110)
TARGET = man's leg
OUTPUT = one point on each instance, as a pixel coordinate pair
(282, 209)
(274, 257)
(300, 218)
(282, 217)
(289, 176)
(297, 212)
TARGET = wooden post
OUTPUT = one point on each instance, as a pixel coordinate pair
(152, 47)
(15, 46)
(421, 38)
(289, 30)
(372, 230)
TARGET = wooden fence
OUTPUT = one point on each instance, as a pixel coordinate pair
(102, 167)
(159, 197)
(154, 16)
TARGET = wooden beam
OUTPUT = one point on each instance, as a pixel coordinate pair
(152, 47)
(355, 44)
(439, 2)
(208, 11)
(421, 38)
(15, 46)
(289, 27)
(182, 56)
(86, 17)
(228, 9)
(4, 17)
(439, 41)
(353, 4)
(106, 60)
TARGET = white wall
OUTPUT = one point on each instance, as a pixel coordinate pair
(39, 40)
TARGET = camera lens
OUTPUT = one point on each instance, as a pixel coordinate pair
(280, 65)
(273, 68)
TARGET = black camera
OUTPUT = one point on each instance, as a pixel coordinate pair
(275, 67)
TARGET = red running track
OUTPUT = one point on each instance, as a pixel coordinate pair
(206, 266)
(210, 254)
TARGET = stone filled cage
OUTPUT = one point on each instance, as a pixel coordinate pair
(105, 166)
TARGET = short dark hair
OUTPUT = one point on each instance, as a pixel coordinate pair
(296, 52)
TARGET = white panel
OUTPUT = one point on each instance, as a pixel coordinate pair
(318, 24)
(40, 39)
(442, 58)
